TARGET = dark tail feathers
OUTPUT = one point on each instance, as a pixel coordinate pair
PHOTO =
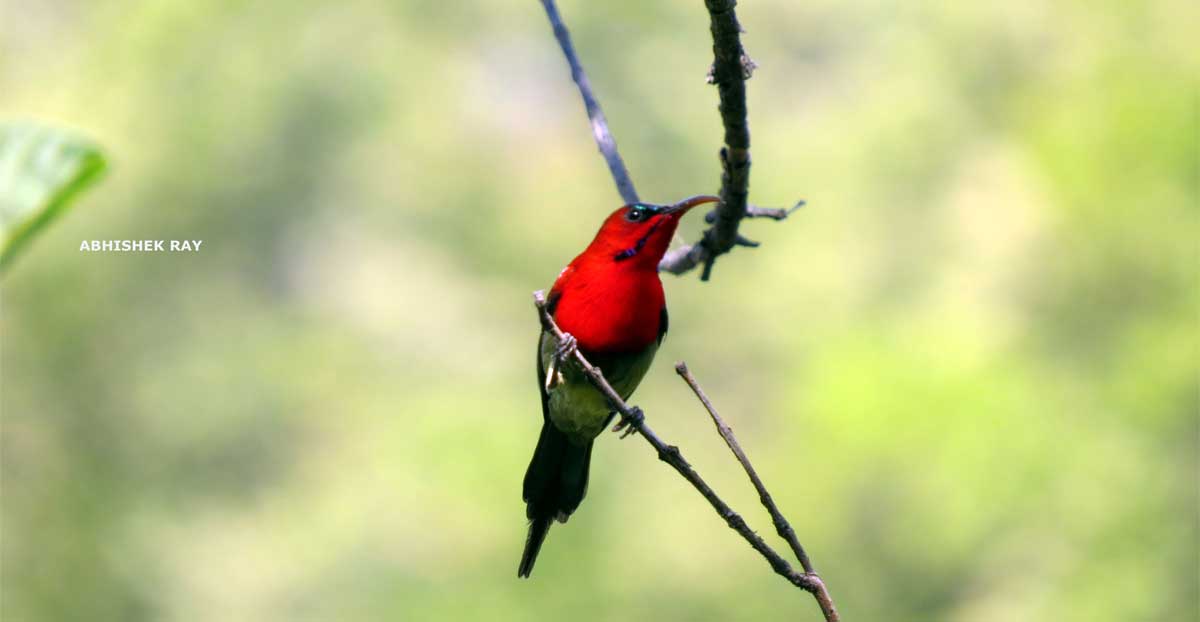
(554, 486)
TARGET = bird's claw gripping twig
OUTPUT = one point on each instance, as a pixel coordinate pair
(562, 352)
(566, 348)
(630, 423)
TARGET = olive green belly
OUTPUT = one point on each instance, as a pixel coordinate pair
(577, 408)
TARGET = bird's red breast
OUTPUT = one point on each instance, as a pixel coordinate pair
(608, 311)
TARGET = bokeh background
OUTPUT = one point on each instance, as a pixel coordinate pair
(967, 369)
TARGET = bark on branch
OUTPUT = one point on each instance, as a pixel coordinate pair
(731, 67)
(633, 419)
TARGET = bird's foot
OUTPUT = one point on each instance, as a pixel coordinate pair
(631, 423)
(562, 352)
(566, 348)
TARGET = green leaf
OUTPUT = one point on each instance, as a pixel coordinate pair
(41, 171)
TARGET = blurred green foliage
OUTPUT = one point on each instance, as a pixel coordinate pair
(967, 370)
(41, 169)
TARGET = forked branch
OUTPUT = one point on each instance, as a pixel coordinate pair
(782, 526)
(730, 69)
(633, 418)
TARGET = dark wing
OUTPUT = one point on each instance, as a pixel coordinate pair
(542, 379)
(551, 304)
(662, 324)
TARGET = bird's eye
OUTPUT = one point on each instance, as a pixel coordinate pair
(636, 214)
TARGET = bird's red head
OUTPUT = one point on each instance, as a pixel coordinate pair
(638, 234)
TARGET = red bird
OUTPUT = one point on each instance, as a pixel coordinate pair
(609, 301)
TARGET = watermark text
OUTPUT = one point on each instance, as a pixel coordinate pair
(140, 246)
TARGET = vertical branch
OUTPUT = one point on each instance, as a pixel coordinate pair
(730, 70)
(604, 139)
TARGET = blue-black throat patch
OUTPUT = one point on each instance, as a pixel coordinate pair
(637, 246)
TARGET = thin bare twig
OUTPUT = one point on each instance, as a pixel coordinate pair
(633, 418)
(604, 139)
(774, 213)
(782, 526)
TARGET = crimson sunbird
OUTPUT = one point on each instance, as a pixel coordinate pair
(609, 302)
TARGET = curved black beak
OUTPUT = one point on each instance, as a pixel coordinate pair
(688, 203)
